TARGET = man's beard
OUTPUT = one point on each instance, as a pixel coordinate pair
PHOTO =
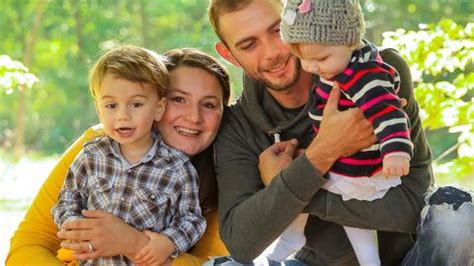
(277, 86)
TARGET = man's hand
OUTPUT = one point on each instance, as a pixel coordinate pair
(395, 166)
(156, 252)
(276, 158)
(108, 234)
(342, 133)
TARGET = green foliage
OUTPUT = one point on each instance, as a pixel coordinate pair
(73, 34)
(14, 74)
(388, 15)
(441, 57)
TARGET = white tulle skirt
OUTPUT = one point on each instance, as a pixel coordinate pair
(360, 188)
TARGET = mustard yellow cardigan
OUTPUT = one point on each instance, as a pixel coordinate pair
(35, 241)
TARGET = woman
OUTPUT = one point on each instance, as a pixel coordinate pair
(199, 90)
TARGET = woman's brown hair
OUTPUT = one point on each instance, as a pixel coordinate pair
(204, 161)
(196, 58)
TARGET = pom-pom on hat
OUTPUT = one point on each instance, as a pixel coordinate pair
(328, 22)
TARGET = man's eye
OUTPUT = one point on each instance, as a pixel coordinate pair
(248, 46)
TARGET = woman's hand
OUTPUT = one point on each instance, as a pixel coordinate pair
(109, 236)
(276, 158)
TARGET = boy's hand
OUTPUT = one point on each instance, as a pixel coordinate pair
(156, 252)
(394, 166)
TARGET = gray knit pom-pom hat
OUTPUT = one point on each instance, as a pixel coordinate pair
(329, 22)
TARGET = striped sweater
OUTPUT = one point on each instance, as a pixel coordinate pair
(371, 85)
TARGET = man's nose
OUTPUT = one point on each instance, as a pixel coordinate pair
(273, 48)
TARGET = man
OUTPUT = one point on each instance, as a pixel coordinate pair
(273, 107)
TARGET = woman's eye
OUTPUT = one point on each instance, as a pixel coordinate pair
(178, 99)
(209, 105)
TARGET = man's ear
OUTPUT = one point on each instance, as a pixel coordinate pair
(223, 51)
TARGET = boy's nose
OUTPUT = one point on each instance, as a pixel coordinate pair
(124, 114)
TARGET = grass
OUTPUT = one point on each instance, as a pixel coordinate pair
(14, 205)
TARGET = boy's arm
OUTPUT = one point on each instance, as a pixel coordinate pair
(187, 225)
(70, 201)
(157, 251)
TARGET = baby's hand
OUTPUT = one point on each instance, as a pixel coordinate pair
(394, 166)
(156, 252)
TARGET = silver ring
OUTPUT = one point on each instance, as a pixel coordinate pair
(91, 247)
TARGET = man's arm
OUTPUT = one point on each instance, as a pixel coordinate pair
(252, 216)
(400, 208)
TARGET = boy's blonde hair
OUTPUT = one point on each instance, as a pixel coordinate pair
(132, 63)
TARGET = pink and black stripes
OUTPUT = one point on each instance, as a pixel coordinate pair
(371, 85)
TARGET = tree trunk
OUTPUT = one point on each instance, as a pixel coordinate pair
(76, 6)
(145, 24)
(30, 41)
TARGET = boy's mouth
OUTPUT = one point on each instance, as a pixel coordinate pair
(125, 131)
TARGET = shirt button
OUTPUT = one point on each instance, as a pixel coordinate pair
(122, 198)
(152, 197)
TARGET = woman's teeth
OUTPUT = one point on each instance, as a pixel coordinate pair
(187, 131)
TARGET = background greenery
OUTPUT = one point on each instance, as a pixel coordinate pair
(58, 41)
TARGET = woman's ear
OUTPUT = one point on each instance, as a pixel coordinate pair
(160, 109)
(224, 51)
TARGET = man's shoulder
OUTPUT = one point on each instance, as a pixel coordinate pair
(393, 58)
(233, 112)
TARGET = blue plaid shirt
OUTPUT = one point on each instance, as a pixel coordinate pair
(159, 193)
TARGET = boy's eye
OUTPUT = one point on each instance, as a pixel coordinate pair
(136, 105)
(110, 106)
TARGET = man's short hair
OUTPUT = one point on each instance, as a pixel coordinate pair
(217, 8)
